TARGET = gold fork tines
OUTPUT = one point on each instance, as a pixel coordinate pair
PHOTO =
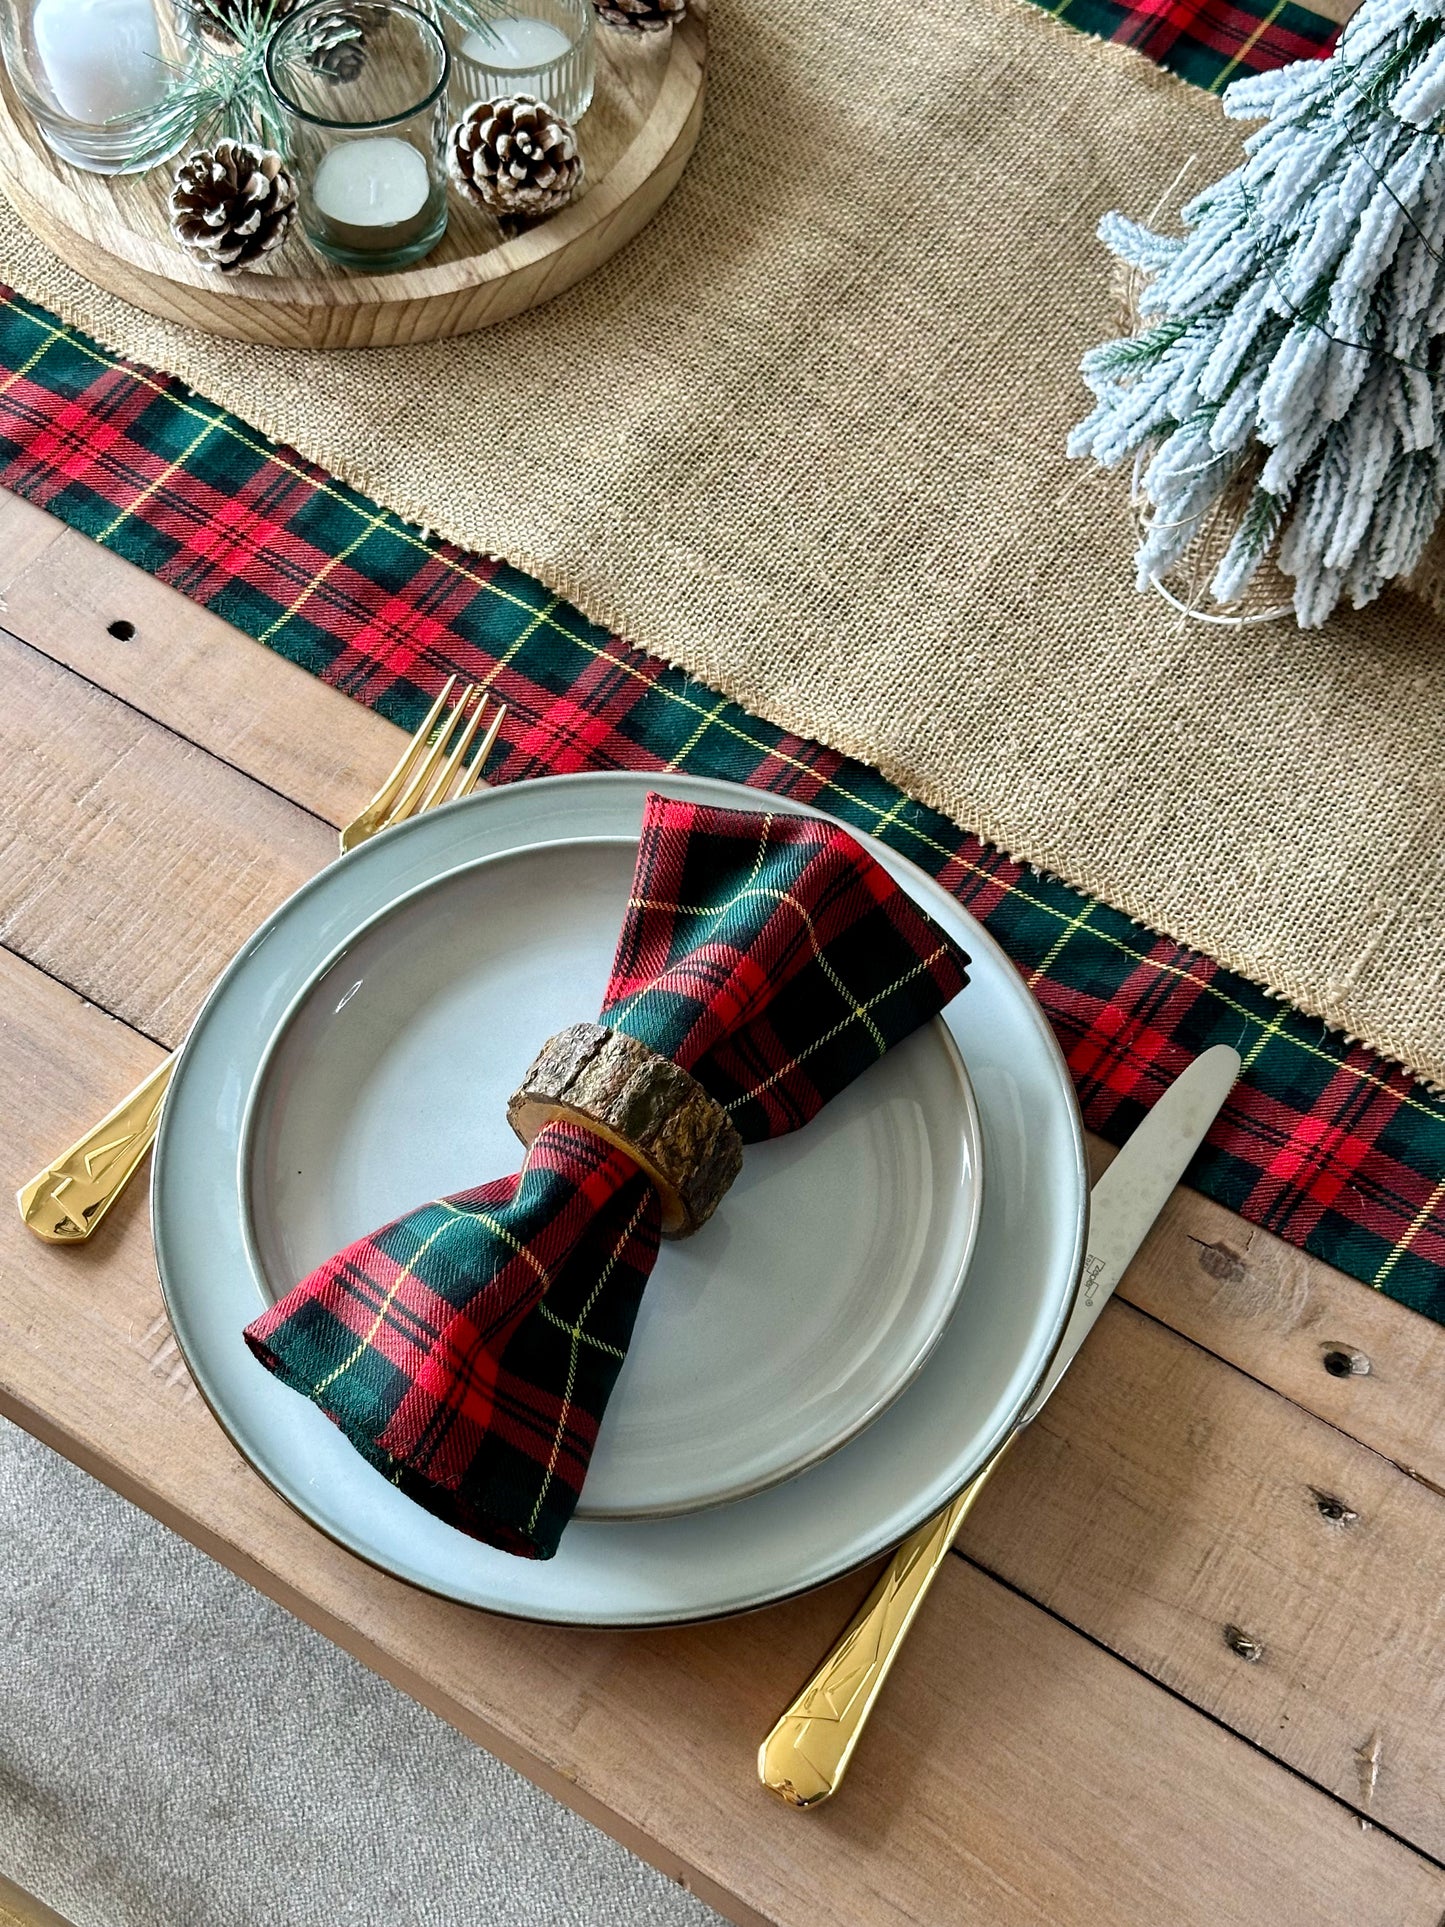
(67, 1200)
(426, 774)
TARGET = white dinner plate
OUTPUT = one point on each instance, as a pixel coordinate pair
(765, 1342)
(856, 1502)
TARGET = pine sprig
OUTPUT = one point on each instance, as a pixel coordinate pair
(1130, 353)
(223, 93)
(1287, 399)
(479, 16)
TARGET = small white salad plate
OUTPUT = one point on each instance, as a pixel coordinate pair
(303, 1113)
(765, 1342)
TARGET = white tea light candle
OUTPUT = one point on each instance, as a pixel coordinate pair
(521, 48)
(102, 58)
(372, 193)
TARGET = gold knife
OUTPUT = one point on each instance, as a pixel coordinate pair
(804, 1758)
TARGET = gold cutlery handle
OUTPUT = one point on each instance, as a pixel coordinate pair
(68, 1199)
(804, 1758)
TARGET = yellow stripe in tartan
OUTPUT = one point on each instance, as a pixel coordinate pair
(751, 889)
(409, 1271)
(824, 963)
(638, 903)
(697, 735)
(577, 1336)
(158, 482)
(586, 1338)
(828, 1036)
(1226, 74)
(363, 1344)
(267, 451)
(1257, 1048)
(1060, 944)
(19, 374)
(1417, 1224)
(369, 527)
(499, 1230)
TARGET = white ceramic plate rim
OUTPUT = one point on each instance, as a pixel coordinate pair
(903, 1374)
(788, 1540)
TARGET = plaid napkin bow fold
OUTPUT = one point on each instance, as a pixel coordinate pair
(468, 1350)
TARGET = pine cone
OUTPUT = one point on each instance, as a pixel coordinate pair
(642, 16)
(515, 156)
(219, 20)
(337, 43)
(232, 205)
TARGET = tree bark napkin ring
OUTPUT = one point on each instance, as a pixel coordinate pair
(468, 1349)
(645, 1105)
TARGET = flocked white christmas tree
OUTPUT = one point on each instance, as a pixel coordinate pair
(1292, 357)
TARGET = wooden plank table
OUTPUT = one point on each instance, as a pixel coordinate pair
(1185, 1667)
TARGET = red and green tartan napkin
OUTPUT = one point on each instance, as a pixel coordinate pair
(468, 1350)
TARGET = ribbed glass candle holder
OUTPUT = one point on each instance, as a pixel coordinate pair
(545, 49)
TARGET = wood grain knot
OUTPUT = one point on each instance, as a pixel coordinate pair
(1343, 1361)
(1239, 1641)
(1220, 1260)
(122, 630)
(1333, 1509)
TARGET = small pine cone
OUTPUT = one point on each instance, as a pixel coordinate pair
(337, 44)
(642, 16)
(232, 205)
(515, 157)
(219, 20)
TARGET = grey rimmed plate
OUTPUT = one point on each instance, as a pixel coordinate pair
(859, 1500)
(766, 1341)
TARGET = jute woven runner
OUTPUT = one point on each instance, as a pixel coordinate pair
(804, 438)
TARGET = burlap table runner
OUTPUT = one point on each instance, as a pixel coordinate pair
(804, 438)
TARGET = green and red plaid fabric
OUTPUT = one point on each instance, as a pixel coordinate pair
(1322, 1142)
(1206, 42)
(468, 1350)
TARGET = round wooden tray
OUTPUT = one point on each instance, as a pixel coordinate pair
(635, 140)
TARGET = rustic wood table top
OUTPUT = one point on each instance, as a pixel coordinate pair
(1185, 1666)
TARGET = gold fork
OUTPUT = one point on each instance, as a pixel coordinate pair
(68, 1199)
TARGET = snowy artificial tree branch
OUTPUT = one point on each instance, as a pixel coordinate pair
(1292, 352)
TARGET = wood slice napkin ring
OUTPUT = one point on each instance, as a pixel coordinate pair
(642, 1104)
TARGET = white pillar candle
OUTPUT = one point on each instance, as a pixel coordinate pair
(519, 48)
(101, 57)
(372, 193)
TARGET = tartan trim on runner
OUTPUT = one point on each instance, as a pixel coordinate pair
(1206, 42)
(1321, 1142)
(468, 1350)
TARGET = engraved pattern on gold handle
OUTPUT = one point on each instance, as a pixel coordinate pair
(804, 1758)
(68, 1199)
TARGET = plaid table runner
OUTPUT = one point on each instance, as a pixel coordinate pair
(1323, 1143)
(469, 1349)
(1207, 42)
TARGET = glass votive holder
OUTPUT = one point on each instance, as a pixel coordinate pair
(364, 92)
(93, 74)
(545, 48)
